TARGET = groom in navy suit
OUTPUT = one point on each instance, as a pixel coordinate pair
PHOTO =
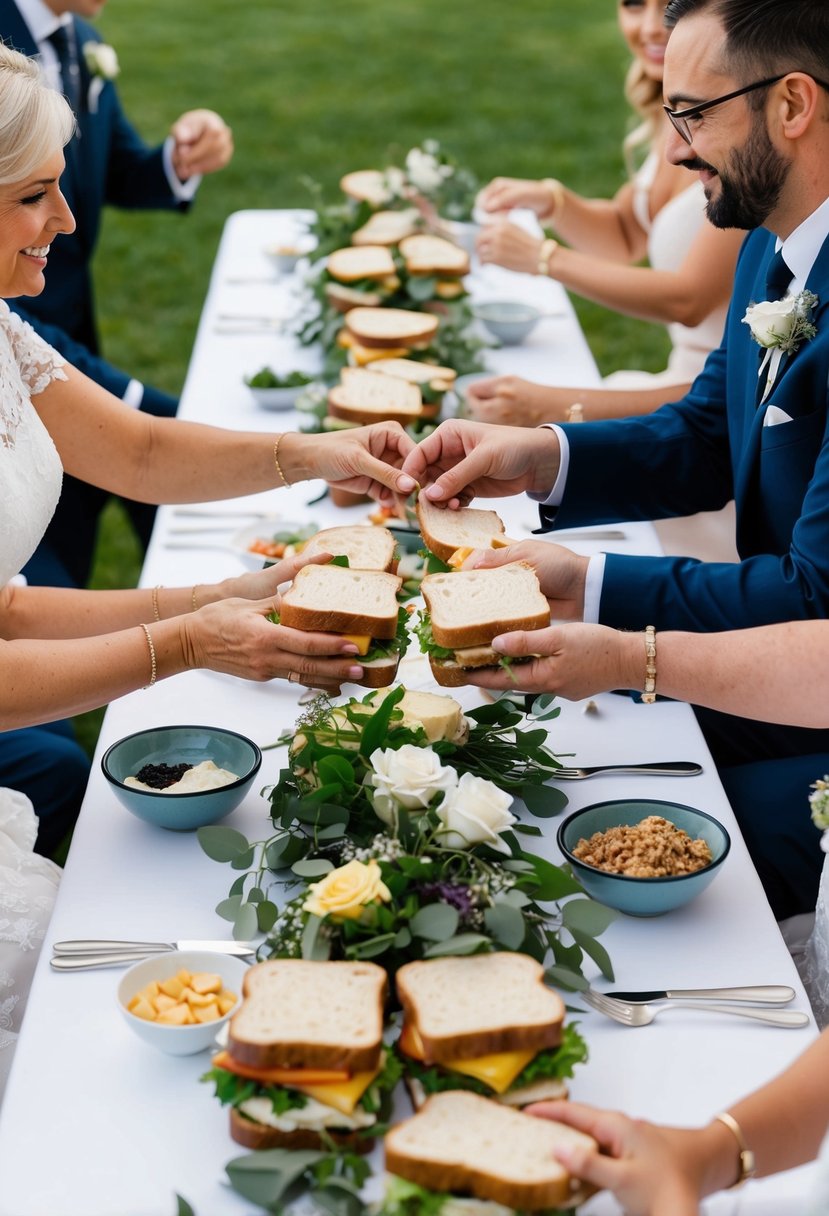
(747, 87)
(106, 162)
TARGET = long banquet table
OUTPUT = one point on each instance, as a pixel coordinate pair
(96, 1123)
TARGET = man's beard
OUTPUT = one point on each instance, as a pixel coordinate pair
(751, 186)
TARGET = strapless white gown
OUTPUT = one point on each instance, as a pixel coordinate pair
(30, 481)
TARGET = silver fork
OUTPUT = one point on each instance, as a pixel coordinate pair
(628, 1014)
(664, 768)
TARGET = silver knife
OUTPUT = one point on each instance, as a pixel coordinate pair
(766, 994)
(92, 947)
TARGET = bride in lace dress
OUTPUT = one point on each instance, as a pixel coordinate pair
(66, 651)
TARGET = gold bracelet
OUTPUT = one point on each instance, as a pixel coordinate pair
(282, 476)
(649, 695)
(575, 413)
(557, 191)
(193, 597)
(153, 663)
(548, 248)
(747, 1165)
(156, 613)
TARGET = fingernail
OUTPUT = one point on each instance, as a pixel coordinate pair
(355, 673)
(350, 650)
(433, 492)
(497, 645)
(406, 484)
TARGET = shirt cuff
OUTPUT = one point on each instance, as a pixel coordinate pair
(554, 497)
(183, 191)
(133, 394)
(593, 589)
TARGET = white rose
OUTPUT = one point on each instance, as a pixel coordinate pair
(772, 321)
(408, 778)
(395, 180)
(107, 61)
(475, 812)
(423, 171)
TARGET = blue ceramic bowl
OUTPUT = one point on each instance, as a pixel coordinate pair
(510, 321)
(642, 896)
(177, 745)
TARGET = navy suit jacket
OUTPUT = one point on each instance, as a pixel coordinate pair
(106, 162)
(696, 455)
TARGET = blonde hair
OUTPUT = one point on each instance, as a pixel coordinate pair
(35, 121)
(644, 95)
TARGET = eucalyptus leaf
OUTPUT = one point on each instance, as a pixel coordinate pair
(266, 915)
(246, 924)
(264, 1177)
(284, 851)
(377, 727)
(553, 882)
(402, 939)
(312, 867)
(514, 896)
(464, 943)
(543, 801)
(506, 924)
(237, 887)
(563, 977)
(435, 922)
(596, 951)
(528, 829)
(587, 916)
(255, 895)
(371, 948)
(315, 946)
(334, 831)
(335, 768)
(228, 908)
(183, 1208)
(421, 288)
(222, 844)
(544, 707)
(243, 861)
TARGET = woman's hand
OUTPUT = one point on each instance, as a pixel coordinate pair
(363, 460)
(652, 1171)
(575, 661)
(263, 583)
(504, 193)
(511, 401)
(508, 245)
(561, 572)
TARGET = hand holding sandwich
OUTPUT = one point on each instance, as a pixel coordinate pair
(572, 661)
(466, 460)
(560, 572)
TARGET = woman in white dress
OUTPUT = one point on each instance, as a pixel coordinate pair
(64, 651)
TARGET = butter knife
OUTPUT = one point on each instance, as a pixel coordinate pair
(91, 947)
(762, 994)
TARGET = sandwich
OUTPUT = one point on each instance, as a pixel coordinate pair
(360, 605)
(466, 609)
(433, 381)
(364, 396)
(366, 186)
(447, 533)
(388, 227)
(305, 1056)
(427, 256)
(357, 275)
(484, 1023)
(461, 1145)
(365, 548)
(391, 329)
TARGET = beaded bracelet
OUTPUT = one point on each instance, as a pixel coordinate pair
(282, 476)
(156, 613)
(649, 695)
(153, 663)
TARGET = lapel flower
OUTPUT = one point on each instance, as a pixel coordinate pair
(779, 326)
(101, 60)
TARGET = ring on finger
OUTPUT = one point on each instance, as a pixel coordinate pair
(294, 677)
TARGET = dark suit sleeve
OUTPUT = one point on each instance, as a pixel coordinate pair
(103, 373)
(135, 171)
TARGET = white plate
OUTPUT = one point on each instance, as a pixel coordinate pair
(264, 529)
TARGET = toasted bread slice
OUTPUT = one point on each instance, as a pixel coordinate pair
(335, 599)
(444, 530)
(366, 548)
(426, 255)
(299, 1014)
(360, 262)
(471, 607)
(366, 396)
(461, 1142)
(343, 298)
(476, 1005)
(381, 328)
(387, 227)
(366, 186)
(440, 379)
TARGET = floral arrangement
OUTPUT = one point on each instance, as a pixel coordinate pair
(101, 60)
(819, 803)
(431, 174)
(394, 842)
(779, 326)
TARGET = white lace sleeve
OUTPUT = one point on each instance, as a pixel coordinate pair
(38, 362)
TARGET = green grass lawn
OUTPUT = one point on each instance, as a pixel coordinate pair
(314, 88)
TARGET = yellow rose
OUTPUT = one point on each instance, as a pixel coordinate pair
(343, 893)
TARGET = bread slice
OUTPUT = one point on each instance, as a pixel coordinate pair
(426, 255)
(299, 1014)
(365, 396)
(335, 599)
(381, 328)
(259, 1135)
(366, 186)
(461, 1142)
(445, 530)
(471, 607)
(478, 1004)
(387, 227)
(360, 262)
(343, 299)
(440, 379)
(366, 548)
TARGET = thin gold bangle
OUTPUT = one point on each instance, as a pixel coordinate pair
(747, 1165)
(156, 613)
(556, 189)
(282, 476)
(545, 254)
(153, 663)
(649, 695)
(576, 412)
(193, 597)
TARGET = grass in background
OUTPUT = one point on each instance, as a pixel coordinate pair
(318, 89)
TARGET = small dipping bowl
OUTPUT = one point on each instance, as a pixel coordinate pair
(643, 896)
(510, 321)
(182, 745)
(286, 254)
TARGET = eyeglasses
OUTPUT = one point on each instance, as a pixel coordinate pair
(682, 118)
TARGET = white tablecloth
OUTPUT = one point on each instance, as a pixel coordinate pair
(96, 1123)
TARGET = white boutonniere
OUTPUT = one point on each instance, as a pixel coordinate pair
(102, 64)
(779, 326)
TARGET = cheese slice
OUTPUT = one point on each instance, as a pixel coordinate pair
(459, 557)
(361, 640)
(498, 1070)
(281, 1076)
(342, 1095)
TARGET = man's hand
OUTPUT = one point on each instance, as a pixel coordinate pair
(561, 573)
(508, 245)
(203, 143)
(575, 661)
(467, 460)
(511, 401)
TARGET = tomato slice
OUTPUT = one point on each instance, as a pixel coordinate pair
(281, 1076)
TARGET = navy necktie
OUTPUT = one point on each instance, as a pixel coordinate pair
(778, 277)
(63, 44)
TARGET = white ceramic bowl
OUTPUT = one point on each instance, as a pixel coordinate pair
(510, 321)
(179, 1040)
(276, 398)
(286, 254)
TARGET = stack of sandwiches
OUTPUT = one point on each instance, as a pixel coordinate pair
(434, 257)
(305, 1056)
(487, 1024)
(429, 269)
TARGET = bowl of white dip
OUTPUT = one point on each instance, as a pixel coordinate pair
(181, 777)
